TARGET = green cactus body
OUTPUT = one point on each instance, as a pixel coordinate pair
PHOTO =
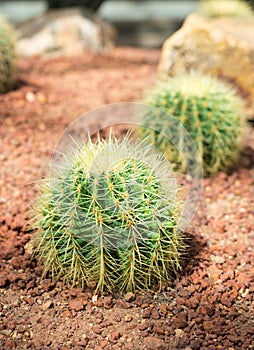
(108, 220)
(7, 56)
(208, 109)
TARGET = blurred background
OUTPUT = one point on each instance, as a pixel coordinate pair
(139, 23)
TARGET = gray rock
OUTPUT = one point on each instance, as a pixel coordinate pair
(64, 32)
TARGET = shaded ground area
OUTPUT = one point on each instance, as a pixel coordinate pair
(210, 306)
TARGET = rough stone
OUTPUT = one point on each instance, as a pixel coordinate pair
(223, 47)
(129, 296)
(155, 343)
(127, 318)
(147, 313)
(47, 305)
(107, 302)
(158, 330)
(163, 308)
(66, 313)
(76, 304)
(82, 343)
(97, 329)
(64, 32)
(3, 278)
(115, 336)
(155, 314)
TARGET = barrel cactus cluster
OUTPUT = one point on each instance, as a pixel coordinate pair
(109, 216)
(109, 219)
(7, 56)
(209, 110)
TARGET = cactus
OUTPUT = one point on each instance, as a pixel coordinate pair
(209, 110)
(228, 8)
(109, 219)
(7, 56)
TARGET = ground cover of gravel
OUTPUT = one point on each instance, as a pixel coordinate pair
(210, 305)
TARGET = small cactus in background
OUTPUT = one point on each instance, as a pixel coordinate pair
(209, 110)
(227, 8)
(109, 220)
(7, 56)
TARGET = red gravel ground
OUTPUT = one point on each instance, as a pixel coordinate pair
(210, 305)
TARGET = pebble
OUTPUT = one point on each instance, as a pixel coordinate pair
(115, 336)
(129, 296)
(217, 259)
(179, 333)
(158, 330)
(107, 301)
(96, 329)
(195, 344)
(155, 314)
(103, 343)
(47, 305)
(127, 318)
(147, 313)
(163, 308)
(66, 314)
(155, 343)
(82, 343)
(76, 304)
(30, 96)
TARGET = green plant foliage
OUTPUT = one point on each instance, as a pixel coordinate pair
(227, 8)
(7, 56)
(250, 3)
(109, 219)
(208, 109)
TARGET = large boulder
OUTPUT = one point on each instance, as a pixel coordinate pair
(64, 32)
(223, 47)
